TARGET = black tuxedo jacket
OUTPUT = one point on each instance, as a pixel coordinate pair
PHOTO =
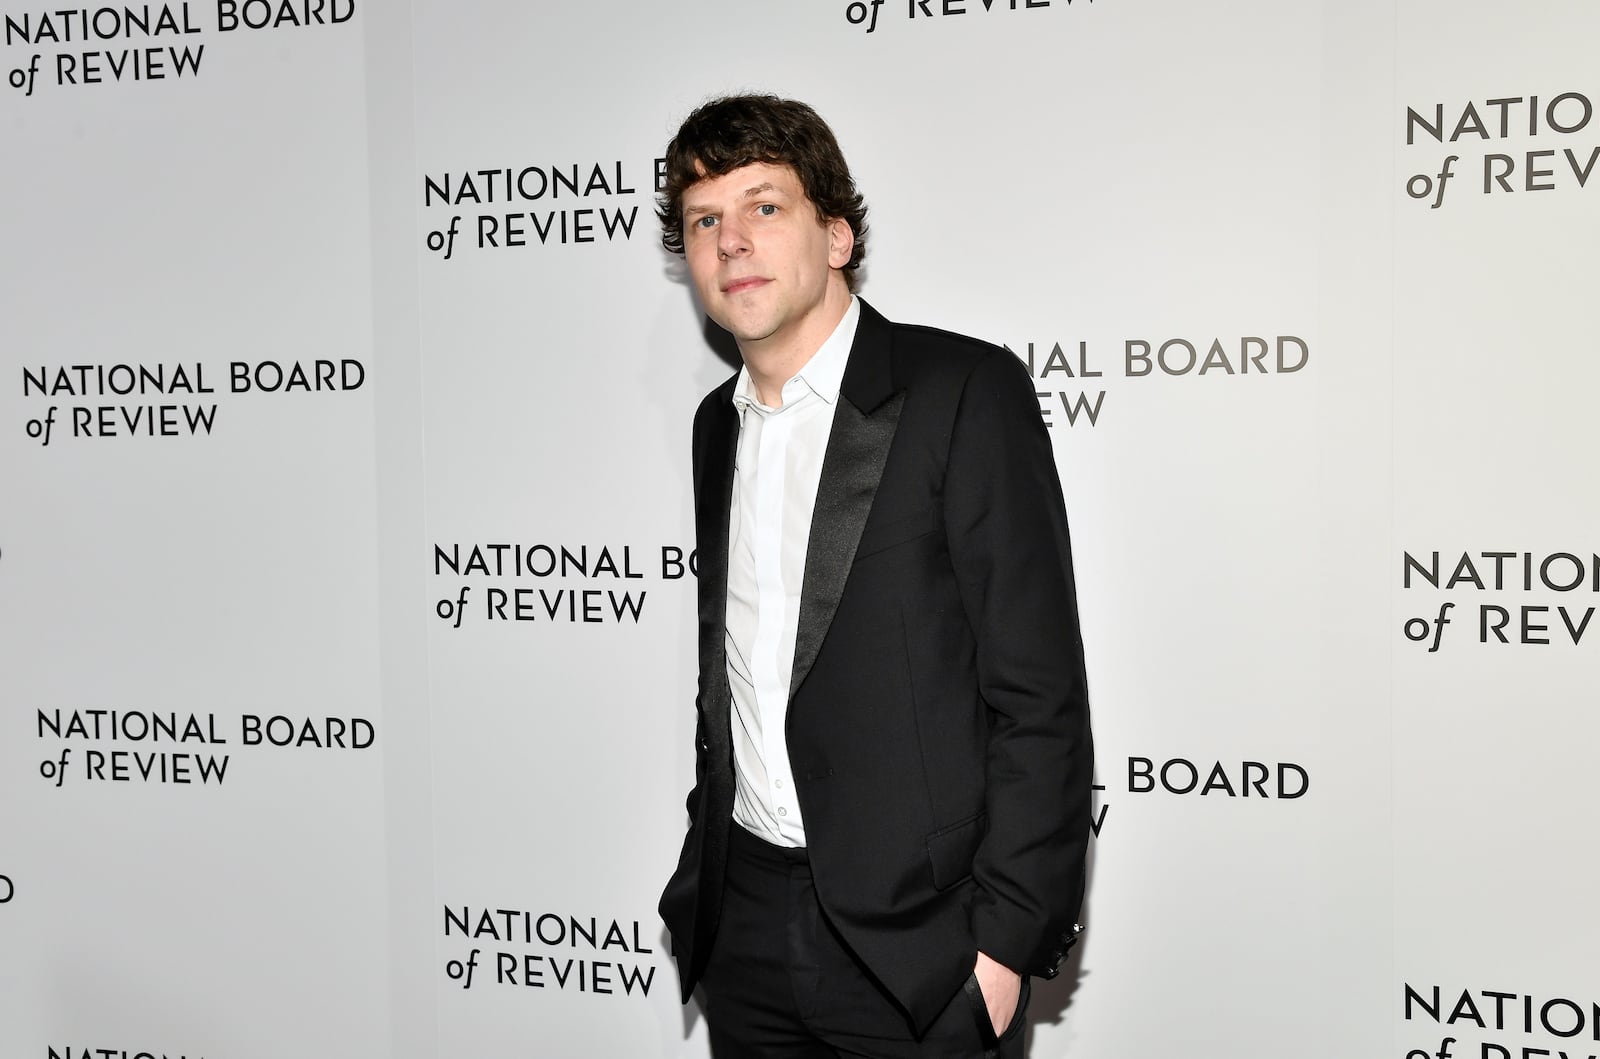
(938, 724)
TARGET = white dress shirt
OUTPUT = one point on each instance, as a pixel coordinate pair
(778, 468)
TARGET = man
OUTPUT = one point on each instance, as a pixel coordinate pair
(893, 758)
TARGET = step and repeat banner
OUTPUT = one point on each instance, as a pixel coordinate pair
(347, 565)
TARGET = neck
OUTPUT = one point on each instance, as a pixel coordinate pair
(773, 361)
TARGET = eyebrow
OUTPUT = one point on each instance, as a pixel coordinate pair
(748, 193)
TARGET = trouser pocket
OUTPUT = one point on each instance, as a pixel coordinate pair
(980, 1015)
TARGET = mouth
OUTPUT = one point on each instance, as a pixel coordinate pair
(739, 286)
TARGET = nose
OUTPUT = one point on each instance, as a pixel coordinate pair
(732, 239)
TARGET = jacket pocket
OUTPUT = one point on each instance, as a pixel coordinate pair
(951, 849)
(876, 538)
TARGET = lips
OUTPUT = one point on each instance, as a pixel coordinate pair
(743, 284)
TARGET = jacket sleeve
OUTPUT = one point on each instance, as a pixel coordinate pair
(701, 746)
(1007, 529)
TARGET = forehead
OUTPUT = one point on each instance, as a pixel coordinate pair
(748, 180)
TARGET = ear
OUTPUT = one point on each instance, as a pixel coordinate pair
(841, 242)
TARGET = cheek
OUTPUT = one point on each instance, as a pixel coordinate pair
(701, 265)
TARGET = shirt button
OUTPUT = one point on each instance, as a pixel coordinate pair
(782, 811)
(778, 784)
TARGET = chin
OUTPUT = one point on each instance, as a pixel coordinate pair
(747, 330)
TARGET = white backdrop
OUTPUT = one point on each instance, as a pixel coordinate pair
(1308, 397)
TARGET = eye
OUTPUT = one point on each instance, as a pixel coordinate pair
(706, 221)
(767, 209)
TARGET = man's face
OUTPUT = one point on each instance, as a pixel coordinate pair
(765, 267)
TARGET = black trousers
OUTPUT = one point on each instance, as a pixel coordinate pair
(782, 984)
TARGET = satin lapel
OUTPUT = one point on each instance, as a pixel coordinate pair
(858, 445)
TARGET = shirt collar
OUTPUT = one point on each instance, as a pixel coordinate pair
(823, 374)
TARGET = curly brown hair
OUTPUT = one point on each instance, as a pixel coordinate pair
(734, 131)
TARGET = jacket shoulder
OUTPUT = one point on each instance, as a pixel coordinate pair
(720, 398)
(924, 354)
